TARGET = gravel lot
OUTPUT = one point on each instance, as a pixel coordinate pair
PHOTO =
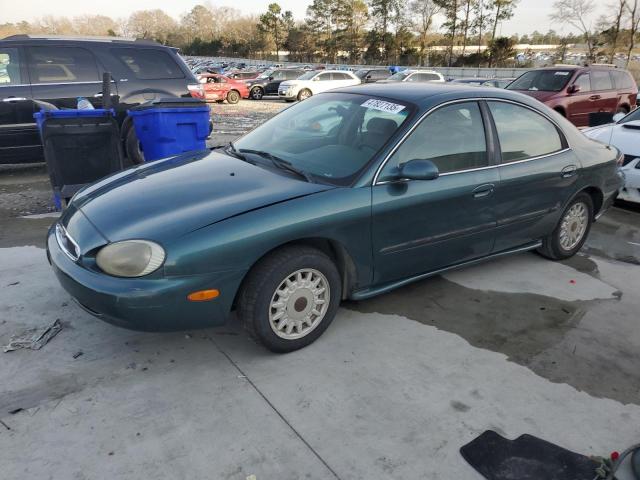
(393, 389)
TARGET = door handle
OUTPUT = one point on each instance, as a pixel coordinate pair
(594, 97)
(569, 171)
(483, 190)
(14, 99)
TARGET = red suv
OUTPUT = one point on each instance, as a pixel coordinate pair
(580, 92)
(218, 88)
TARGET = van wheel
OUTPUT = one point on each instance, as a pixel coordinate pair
(257, 93)
(132, 147)
(289, 298)
(622, 109)
(233, 97)
(304, 94)
(572, 229)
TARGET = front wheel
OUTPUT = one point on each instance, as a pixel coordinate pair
(132, 147)
(290, 297)
(257, 93)
(304, 94)
(572, 229)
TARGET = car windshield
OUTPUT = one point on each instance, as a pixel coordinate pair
(633, 116)
(331, 137)
(542, 80)
(307, 76)
(398, 77)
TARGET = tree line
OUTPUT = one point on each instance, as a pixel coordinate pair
(415, 32)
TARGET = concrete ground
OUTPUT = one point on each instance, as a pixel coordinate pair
(393, 389)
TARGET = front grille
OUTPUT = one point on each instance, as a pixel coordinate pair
(66, 243)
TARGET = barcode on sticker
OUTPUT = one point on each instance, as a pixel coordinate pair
(383, 106)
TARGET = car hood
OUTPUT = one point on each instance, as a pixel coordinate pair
(172, 197)
(538, 94)
(292, 83)
(624, 136)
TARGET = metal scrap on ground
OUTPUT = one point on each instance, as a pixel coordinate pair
(34, 338)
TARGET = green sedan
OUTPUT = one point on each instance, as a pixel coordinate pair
(347, 195)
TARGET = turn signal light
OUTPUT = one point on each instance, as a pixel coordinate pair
(203, 295)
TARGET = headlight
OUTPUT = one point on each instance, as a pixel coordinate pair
(130, 258)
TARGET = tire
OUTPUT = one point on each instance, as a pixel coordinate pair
(304, 94)
(233, 97)
(132, 147)
(256, 93)
(296, 267)
(560, 244)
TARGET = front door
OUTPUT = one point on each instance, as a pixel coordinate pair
(275, 79)
(423, 225)
(19, 138)
(537, 174)
(582, 102)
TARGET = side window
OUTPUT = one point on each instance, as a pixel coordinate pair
(324, 76)
(147, 63)
(10, 67)
(430, 76)
(415, 77)
(62, 64)
(523, 133)
(584, 82)
(621, 79)
(452, 137)
(600, 80)
(292, 75)
(278, 75)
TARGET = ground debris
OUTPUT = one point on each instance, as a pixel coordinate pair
(33, 338)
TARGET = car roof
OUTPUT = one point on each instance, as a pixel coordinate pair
(25, 38)
(424, 94)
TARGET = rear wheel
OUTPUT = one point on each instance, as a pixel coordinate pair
(572, 229)
(132, 147)
(257, 93)
(304, 94)
(622, 109)
(290, 297)
(233, 97)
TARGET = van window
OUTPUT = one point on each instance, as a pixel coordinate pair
(600, 80)
(584, 82)
(622, 79)
(61, 65)
(148, 63)
(10, 67)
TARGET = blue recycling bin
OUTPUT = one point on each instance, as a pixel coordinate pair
(171, 126)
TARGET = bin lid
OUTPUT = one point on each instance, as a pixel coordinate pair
(170, 103)
(71, 113)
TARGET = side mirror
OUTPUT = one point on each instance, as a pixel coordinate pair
(573, 89)
(270, 77)
(618, 116)
(419, 169)
(368, 77)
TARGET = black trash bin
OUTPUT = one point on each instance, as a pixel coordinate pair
(80, 147)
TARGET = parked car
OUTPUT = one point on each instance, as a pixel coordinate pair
(624, 134)
(498, 82)
(312, 83)
(415, 76)
(347, 195)
(475, 81)
(579, 92)
(58, 70)
(372, 75)
(269, 81)
(218, 88)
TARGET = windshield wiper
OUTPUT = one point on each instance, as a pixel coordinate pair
(230, 149)
(279, 162)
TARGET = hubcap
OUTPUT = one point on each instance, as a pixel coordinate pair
(257, 94)
(304, 95)
(299, 304)
(574, 225)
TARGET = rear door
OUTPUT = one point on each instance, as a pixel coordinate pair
(19, 138)
(603, 89)
(537, 174)
(61, 74)
(582, 102)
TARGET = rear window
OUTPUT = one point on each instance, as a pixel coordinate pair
(62, 65)
(622, 79)
(148, 64)
(541, 80)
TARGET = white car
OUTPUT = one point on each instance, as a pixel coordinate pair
(312, 83)
(624, 134)
(415, 76)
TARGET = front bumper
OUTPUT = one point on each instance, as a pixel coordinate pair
(287, 94)
(158, 304)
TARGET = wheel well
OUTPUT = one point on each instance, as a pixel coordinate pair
(233, 90)
(334, 250)
(625, 107)
(561, 111)
(596, 197)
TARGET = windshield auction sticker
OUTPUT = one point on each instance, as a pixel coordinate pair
(383, 106)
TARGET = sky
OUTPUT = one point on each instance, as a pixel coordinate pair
(530, 14)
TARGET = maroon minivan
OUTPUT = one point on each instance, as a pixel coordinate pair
(582, 94)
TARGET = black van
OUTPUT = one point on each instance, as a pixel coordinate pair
(267, 82)
(60, 69)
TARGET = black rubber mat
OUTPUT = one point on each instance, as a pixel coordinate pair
(525, 458)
